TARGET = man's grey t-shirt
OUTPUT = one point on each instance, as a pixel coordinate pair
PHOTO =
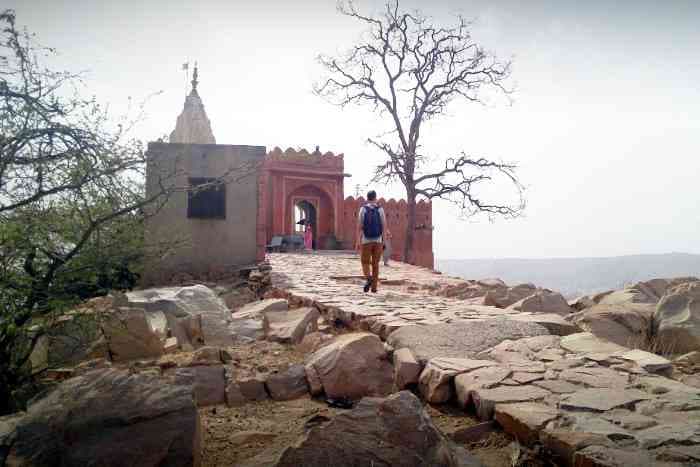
(360, 219)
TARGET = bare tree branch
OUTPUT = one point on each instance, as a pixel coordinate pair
(411, 70)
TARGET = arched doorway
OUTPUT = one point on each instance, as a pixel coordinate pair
(312, 202)
(305, 213)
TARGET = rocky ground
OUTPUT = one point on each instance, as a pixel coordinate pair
(431, 370)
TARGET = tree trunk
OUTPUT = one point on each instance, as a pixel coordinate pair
(408, 250)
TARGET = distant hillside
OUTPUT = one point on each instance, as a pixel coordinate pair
(576, 276)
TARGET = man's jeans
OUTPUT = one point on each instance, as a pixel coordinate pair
(371, 254)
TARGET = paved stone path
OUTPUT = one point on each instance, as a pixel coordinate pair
(334, 282)
(587, 401)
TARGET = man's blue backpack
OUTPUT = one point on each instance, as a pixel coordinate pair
(372, 222)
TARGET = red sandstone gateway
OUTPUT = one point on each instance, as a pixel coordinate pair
(298, 185)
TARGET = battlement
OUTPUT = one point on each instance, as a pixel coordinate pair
(304, 159)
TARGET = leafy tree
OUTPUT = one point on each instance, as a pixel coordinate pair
(71, 202)
(412, 70)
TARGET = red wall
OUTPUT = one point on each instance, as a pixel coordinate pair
(397, 219)
(319, 177)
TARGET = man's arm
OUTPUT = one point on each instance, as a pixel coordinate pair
(358, 240)
(385, 226)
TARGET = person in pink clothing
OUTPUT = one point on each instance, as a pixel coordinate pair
(308, 238)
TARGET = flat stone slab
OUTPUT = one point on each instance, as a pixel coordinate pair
(602, 399)
(460, 339)
(524, 420)
(585, 342)
(485, 400)
(597, 377)
(646, 360)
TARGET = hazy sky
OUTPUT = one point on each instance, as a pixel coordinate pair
(605, 124)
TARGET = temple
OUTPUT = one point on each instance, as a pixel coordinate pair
(262, 196)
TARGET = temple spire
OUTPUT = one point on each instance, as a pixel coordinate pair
(193, 125)
(195, 82)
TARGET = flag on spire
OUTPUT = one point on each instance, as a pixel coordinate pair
(186, 66)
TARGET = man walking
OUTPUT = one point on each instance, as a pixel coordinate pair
(371, 230)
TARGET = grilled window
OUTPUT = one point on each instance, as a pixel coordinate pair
(208, 202)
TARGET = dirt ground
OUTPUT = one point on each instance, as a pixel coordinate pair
(254, 435)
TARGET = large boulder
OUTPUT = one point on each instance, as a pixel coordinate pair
(503, 297)
(626, 324)
(394, 431)
(290, 327)
(677, 319)
(130, 334)
(650, 291)
(463, 339)
(543, 301)
(110, 417)
(352, 366)
(194, 314)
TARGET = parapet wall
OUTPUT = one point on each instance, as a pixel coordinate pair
(397, 220)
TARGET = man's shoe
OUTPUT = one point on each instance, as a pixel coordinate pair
(368, 284)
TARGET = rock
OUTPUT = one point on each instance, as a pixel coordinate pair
(543, 301)
(290, 326)
(208, 382)
(629, 420)
(313, 341)
(392, 431)
(353, 366)
(289, 384)
(686, 433)
(205, 356)
(581, 303)
(252, 387)
(194, 314)
(597, 377)
(602, 456)
(602, 399)
(315, 383)
(625, 324)
(8, 433)
(170, 345)
(485, 400)
(564, 443)
(460, 339)
(504, 297)
(525, 420)
(436, 378)
(474, 433)
(111, 417)
(690, 358)
(246, 330)
(237, 298)
(486, 377)
(256, 310)
(554, 323)
(646, 360)
(406, 369)
(677, 319)
(234, 396)
(557, 386)
(585, 342)
(130, 336)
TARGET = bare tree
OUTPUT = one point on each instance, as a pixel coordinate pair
(411, 70)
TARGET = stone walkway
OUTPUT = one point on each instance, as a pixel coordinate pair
(585, 400)
(334, 283)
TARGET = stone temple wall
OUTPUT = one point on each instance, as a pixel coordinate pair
(397, 218)
(203, 247)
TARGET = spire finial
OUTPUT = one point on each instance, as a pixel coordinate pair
(194, 78)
